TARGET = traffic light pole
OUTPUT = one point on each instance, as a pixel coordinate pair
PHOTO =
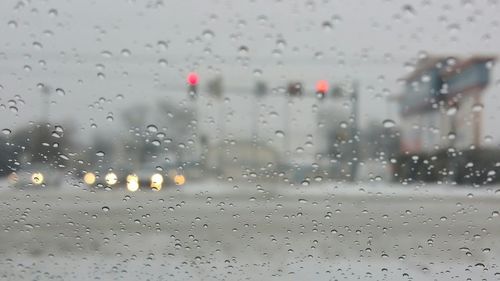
(355, 130)
(286, 128)
(255, 131)
(46, 103)
(222, 133)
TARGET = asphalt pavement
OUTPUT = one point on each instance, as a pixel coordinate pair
(249, 231)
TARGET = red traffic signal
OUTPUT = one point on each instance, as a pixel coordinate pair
(322, 87)
(192, 79)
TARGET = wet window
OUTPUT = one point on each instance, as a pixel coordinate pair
(249, 140)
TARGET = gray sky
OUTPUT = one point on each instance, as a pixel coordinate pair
(66, 44)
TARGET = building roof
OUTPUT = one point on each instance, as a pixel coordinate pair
(450, 64)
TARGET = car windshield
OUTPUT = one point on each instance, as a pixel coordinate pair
(249, 140)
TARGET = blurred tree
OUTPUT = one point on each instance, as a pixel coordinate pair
(42, 143)
(8, 156)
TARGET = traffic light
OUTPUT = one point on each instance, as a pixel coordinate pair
(336, 92)
(260, 89)
(321, 88)
(192, 80)
(294, 89)
(215, 87)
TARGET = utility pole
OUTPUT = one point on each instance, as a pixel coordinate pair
(260, 90)
(355, 129)
(216, 89)
(46, 103)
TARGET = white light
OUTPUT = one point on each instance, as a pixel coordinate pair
(133, 186)
(132, 183)
(156, 181)
(111, 179)
(37, 178)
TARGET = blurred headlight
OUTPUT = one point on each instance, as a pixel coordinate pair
(89, 178)
(37, 178)
(179, 179)
(111, 178)
(156, 181)
(132, 183)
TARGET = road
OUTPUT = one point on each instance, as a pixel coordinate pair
(234, 231)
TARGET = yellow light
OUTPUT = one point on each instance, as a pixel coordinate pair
(156, 181)
(111, 178)
(132, 183)
(89, 178)
(131, 178)
(179, 179)
(37, 178)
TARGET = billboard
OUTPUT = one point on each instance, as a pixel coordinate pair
(443, 78)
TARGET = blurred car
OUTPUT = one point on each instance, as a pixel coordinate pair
(36, 175)
(103, 177)
(148, 178)
(374, 170)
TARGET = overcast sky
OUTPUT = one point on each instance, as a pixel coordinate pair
(100, 51)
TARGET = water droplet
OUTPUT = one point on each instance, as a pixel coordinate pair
(162, 62)
(162, 45)
(388, 123)
(409, 10)
(62, 156)
(12, 24)
(477, 107)
(105, 209)
(106, 54)
(279, 133)
(243, 50)
(6, 131)
(451, 111)
(327, 26)
(53, 13)
(60, 92)
(208, 34)
(152, 128)
(100, 153)
(126, 53)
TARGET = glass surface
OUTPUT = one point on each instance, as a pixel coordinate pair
(249, 140)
